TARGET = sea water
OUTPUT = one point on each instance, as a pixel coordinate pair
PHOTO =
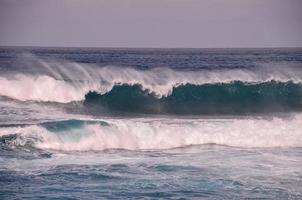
(80, 123)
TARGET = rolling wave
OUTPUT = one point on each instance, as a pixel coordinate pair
(155, 134)
(69, 82)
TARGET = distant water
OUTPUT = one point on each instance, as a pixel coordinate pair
(150, 123)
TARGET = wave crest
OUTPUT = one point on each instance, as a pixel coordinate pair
(68, 82)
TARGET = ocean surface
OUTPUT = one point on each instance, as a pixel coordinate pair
(81, 123)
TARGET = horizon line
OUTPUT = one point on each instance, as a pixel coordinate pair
(133, 47)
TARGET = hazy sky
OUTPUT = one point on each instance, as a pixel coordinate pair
(151, 23)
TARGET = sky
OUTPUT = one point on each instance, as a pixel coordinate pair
(151, 23)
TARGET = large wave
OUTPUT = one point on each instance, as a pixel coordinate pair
(68, 82)
(155, 134)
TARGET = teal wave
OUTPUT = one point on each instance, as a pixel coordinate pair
(221, 98)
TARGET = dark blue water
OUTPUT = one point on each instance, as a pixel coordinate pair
(150, 123)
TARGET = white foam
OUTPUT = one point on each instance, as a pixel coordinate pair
(67, 82)
(42, 88)
(154, 134)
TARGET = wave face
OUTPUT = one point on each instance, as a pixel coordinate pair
(160, 90)
(72, 81)
(77, 135)
(222, 98)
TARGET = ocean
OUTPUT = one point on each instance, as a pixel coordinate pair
(110, 123)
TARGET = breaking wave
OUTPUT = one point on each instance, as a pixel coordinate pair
(70, 82)
(156, 134)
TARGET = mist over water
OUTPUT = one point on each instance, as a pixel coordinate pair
(132, 123)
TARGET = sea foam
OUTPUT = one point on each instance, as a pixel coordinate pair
(156, 134)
